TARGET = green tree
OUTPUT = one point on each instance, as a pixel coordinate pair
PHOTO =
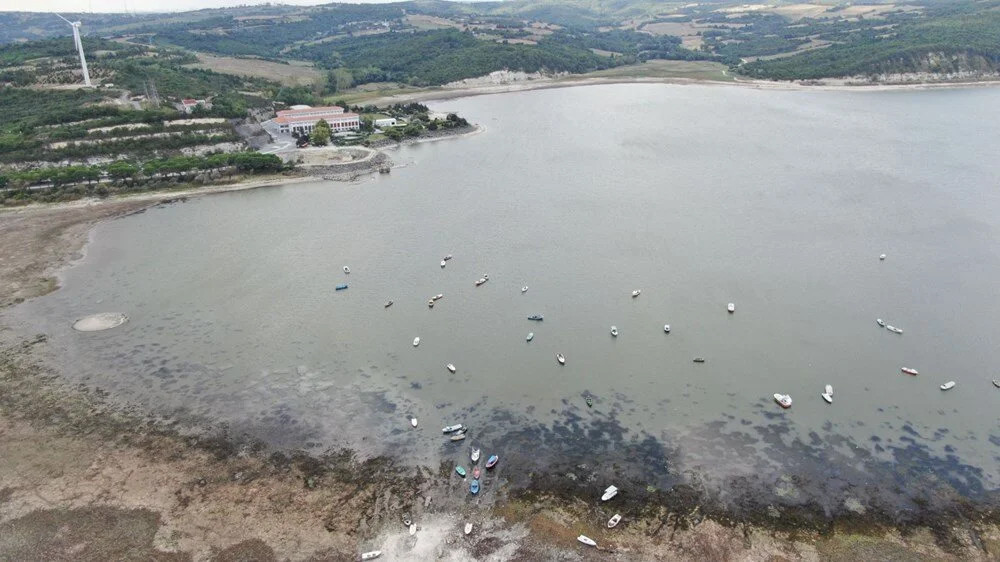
(321, 133)
(123, 171)
(3, 181)
(367, 123)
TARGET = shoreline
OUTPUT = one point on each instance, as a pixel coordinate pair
(110, 467)
(442, 94)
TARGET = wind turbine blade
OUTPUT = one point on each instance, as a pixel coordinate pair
(64, 19)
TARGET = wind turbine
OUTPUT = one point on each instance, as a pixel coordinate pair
(79, 47)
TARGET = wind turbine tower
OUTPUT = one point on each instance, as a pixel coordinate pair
(79, 47)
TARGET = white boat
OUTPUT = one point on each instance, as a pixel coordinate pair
(909, 371)
(666, 328)
(443, 263)
(451, 428)
(450, 367)
(614, 521)
(586, 540)
(430, 303)
(458, 437)
(413, 422)
(783, 400)
(468, 528)
(437, 297)
(531, 336)
(881, 257)
(996, 383)
(446, 258)
(880, 322)
(636, 293)
(948, 385)
(371, 555)
(413, 529)
(894, 329)
(827, 397)
(829, 390)
(416, 342)
(480, 281)
(560, 358)
(614, 331)
(486, 277)
(524, 289)
(475, 455)
(347, 269)
(611, 492)
(731, 307)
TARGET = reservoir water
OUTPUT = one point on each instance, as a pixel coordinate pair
(777, 201)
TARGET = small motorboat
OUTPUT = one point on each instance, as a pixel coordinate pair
(589, 401)
(948, 385)
(731, 308)
(347, 269)
(430, 303)
(881, 257)
(827, 397)
(524, 289)
(416, 342)
(413, 422)
(437, 297)
(492, 461)
(371, 555)
(531, 336)
(486, 277)
(476, 472)
(536, 317)
(586, 540)
(450, 367)
(446, 258)
(443, 263)
(666, 328)
(474, 486)
(880, 322)
(609, 493)
(480, 281)
(614, 331)
(783, 400)
(460, 470)
(909, 371)
(475, 455)
(894, 329)
(699, 359)
(413, 529)
(636, 293)
(828, 389)
(341, 287)
(613, 522)
(452, 428)
(388, 304)
(561, 358)
(996, 383)
(468, 528)
(406, 520)
(458, 437)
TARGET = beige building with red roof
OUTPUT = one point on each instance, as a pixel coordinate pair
(304, 118)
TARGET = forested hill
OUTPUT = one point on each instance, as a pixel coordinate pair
(430, 42)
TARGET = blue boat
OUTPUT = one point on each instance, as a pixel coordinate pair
(474, 487)
(341, 287)
(492, 461)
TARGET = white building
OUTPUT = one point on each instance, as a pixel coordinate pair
(304, 118)
(387, 122)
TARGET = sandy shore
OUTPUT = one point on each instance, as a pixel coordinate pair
(82, 478)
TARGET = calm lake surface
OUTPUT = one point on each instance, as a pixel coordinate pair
(780, 202)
